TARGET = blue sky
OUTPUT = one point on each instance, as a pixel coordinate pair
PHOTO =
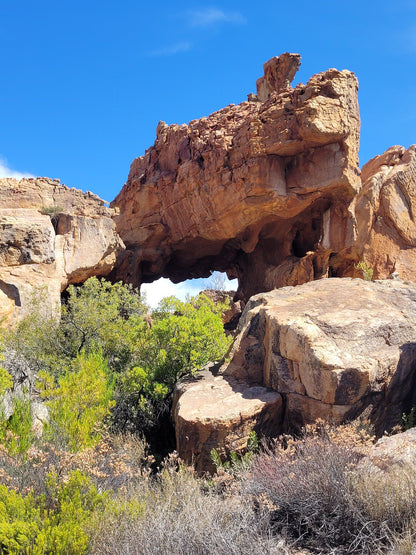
(84, 83)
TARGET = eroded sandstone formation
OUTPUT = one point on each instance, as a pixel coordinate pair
(333, 349)
(50, 236)
(260, 190)
(385, 212)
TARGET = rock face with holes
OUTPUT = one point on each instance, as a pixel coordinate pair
(50, 236)
(332, 349)
(260, 189)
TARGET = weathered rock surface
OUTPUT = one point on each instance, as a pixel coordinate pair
(40, 251)
(396, 450)
(260, 190)
(385, 212)
(332, 349)
(220, 412)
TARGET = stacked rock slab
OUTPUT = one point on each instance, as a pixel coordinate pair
(260, 189)
(50, 236)
(333, 349)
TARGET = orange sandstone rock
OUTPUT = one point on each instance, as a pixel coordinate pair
(260, 190)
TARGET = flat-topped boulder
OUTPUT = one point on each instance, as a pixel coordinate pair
(333, 349)
(216, 412)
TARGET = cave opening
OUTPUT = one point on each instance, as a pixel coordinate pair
(164, 287)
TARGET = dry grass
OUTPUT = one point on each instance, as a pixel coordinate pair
(179, 517)
(321, 497)
(116, 462)
(314, 494)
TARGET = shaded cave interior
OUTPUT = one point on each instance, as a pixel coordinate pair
(269, 254)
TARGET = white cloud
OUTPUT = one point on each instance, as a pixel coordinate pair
(5, 171)
(177, 48)
(163, 287)
(213, 16)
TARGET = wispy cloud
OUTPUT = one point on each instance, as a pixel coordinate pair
(5, 171)
(213, 16)
(177, 48)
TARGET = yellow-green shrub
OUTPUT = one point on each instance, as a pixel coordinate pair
(50, 523)
(79, 402)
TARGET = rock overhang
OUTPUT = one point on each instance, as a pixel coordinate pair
(242, 184)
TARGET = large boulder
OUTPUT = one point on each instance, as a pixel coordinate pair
(50, 236)
(333, 349)
(260, 189)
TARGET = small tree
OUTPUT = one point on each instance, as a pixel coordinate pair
(79, 402)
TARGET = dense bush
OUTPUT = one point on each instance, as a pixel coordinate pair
(79, 402)
(182, 516)
(103, 343)
(181, 338)
(321, 497)
(52, 522)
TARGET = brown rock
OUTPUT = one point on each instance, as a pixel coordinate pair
(215, 412)
(395, 450)
(332, 348)
(47, 252)
(385, 209)
(260, 190)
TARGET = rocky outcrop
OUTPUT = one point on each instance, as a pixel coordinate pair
(260, 190)
(50, 236)
(332, 349)
(385, 212)
(398, 450)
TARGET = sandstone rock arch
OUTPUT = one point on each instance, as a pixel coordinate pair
(260, 190)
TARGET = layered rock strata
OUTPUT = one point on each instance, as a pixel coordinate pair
(332, 349)
(260, 190)
(50, 236)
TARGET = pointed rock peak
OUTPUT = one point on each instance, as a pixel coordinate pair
(278, 74)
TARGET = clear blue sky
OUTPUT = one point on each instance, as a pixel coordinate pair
(84, 83)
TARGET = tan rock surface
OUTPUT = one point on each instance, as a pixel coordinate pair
(385, 212)
(332, 348)
(260, 189)
(214, 412)
(42, 252)
(389, 451)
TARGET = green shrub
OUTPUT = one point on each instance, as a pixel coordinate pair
(16, 432)
(102, 315)
(79, 402)
(50, 523)
(51, 211)
(366, 270)
(6, 381)
(182, 338)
